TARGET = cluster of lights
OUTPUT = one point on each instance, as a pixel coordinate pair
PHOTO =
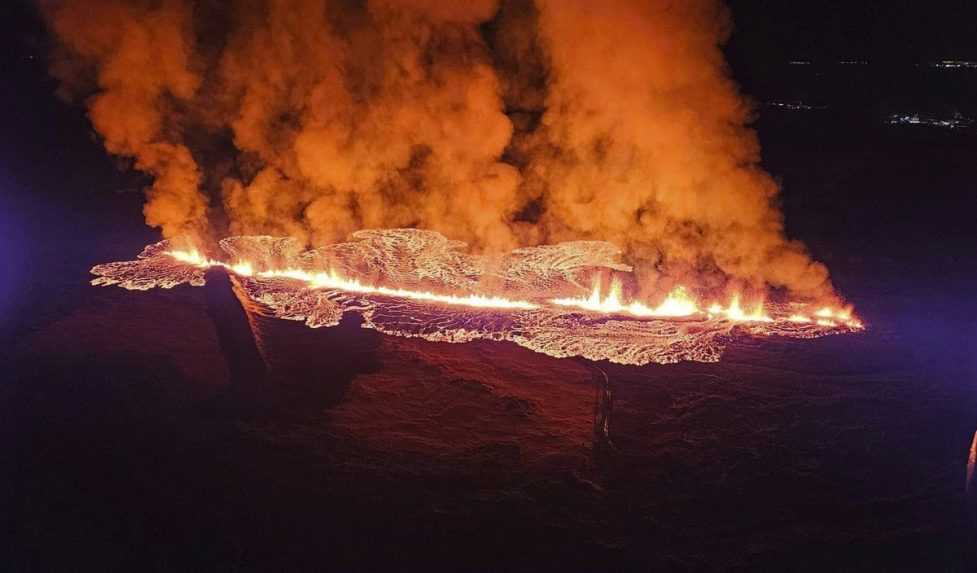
(795, 106)
(958, 121)
(952, 64)
(941, 64)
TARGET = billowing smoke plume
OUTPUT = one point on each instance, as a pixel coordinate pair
(500, 126)
(383, 114)
(643, 143)
(140, 56)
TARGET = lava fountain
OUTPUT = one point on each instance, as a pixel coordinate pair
(415, 283)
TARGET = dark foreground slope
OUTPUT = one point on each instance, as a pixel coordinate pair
(137, 444)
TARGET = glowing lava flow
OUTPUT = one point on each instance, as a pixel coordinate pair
(594, 324)
(679, 303)
(333, 281)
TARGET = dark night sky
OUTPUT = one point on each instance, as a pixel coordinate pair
(888, 31)
(767, 31)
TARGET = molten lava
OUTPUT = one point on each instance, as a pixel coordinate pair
(678, 303)
(424, 286)
(332, 280)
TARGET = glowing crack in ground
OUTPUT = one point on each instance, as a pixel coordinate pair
(551, 304)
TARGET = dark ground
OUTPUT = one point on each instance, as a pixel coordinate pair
(129, 448)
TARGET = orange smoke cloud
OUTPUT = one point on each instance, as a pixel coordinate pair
(496, 125)
(141, 59)
(393, 119)
(644, 143)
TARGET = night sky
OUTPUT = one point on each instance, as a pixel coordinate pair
(897, 32)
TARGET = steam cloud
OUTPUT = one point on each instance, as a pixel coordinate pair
(498, 125)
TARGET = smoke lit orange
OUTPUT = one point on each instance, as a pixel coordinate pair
(331, 136)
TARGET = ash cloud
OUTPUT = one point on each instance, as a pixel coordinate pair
(498, 125)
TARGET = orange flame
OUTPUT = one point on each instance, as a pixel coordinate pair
(736, 313)
(677, 303)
